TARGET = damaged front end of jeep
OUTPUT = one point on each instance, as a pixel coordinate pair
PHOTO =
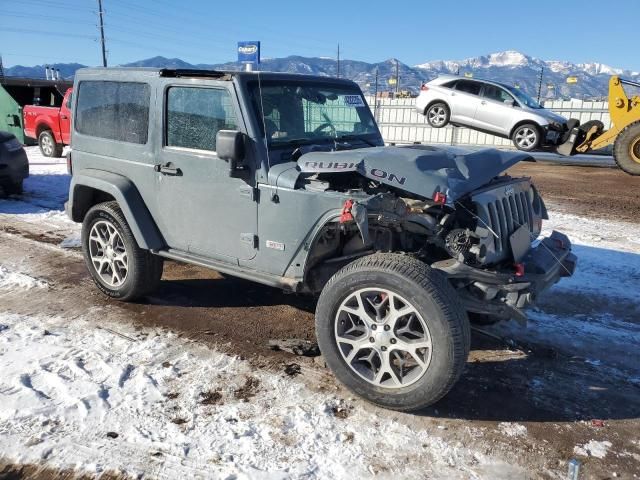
(454, 210)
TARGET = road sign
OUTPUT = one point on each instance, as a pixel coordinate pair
(572, 79)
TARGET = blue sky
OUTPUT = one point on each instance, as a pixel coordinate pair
(199, 31)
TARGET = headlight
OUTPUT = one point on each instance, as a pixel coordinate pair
(13, 145)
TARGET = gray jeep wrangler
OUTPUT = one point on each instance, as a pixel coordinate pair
(285, 180)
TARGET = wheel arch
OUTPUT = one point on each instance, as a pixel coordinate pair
(525, 122)
(433, 102)
(96, 186)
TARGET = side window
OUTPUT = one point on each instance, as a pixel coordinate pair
(496, 93)
(195, 115)
(113, 110)
(468, 86)
(451, 84)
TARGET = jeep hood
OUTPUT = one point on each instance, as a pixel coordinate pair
(420, 170)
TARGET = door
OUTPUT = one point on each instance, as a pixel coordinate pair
(465, 99)
(200, 208)
(65, 118)
(496, 110)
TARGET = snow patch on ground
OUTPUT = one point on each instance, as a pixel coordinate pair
(593, 448)
(512, 429)
(148, 402)
(10, 279)
(45, 191)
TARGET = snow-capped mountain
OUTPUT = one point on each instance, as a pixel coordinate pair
(510, 67)
(517, 68)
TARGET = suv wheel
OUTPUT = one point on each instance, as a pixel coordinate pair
(48, 145)
(118, 266)
(526, 137)
(438, 115)
(626, 149)
(393, 331)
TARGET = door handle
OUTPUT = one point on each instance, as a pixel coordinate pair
(453, 94)
(168, 169)
(63, 117)
(483, 102)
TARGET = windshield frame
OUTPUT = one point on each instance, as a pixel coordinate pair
(369, 137)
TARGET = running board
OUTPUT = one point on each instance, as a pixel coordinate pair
(284, 283)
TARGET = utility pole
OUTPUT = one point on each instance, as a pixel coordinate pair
(104, 50)
(540, 82)
(375, 100)
(397, 76)
(338, 60)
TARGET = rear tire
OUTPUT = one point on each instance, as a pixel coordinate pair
(438, 115)
(402, 361)
(626, 149)
(526, 137)
(118, 266)
(48, 145)
(14, 188)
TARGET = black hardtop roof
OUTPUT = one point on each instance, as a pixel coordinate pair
(215, 74)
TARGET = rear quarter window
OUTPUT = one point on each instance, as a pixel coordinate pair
(468, 86)
(113, 110)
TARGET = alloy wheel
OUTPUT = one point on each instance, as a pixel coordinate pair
(108, 253)
(526, 138)
(383, 338)
(437, 116)
(47, 145)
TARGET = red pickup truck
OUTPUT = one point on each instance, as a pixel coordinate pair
(49, 125)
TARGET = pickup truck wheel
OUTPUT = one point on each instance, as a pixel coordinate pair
(626, 149)
(393, 331)
(438, 115)
(526, 137)
(118, 266)
(48, 145)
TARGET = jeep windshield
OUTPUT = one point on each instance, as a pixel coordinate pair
(297, 113)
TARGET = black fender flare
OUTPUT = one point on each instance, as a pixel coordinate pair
(124, 192)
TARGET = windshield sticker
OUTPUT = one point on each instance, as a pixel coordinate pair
(353, 101)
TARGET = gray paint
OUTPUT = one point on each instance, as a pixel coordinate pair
(419, 170)
(258, 220)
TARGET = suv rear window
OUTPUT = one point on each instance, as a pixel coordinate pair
(468, 86)
(113, 110)
(196, 115)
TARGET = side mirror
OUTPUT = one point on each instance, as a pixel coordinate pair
(510, 103)
(230, 148)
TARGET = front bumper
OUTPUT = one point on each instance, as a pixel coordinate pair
(503, 293)
(553, 135)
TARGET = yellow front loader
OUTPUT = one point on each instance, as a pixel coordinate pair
(624, 132)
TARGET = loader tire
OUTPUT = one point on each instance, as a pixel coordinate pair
(626, 150)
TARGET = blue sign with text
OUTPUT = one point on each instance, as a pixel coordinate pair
(249, 52)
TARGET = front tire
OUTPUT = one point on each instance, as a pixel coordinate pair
(118, 266)
(526, 137)
(626, 149)
(438, 115)
(48, 145)
(393, 331)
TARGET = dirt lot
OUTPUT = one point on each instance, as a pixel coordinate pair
(560, 399)
(588, 191)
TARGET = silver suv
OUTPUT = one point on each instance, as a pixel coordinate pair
(492, 108)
